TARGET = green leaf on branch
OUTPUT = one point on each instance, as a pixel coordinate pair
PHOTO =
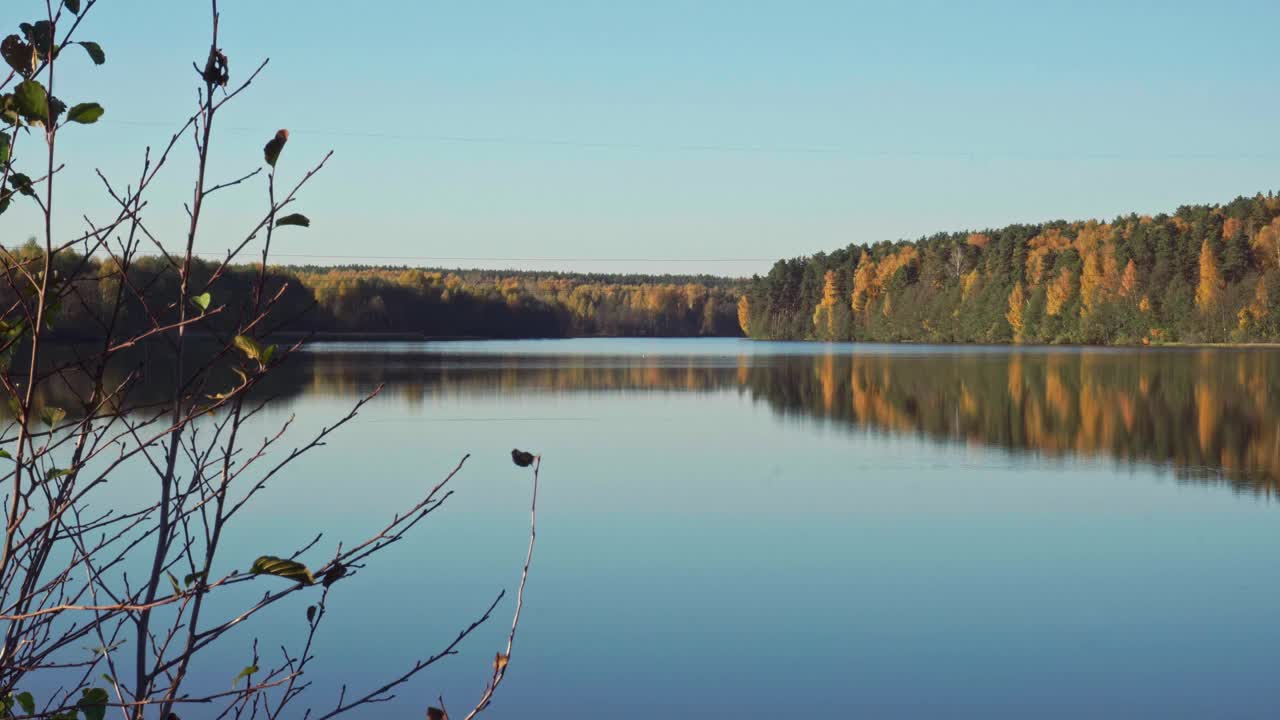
(193, 577)
(9, 114)
(22, 184)
(280, 567)
(73, 6)
(93, 704)
(85, 113)
(245, 673)
(52, 415)
(311, 613)
(26, 702)
(268, 353)
(202, 301)
(55, 473)
(95, 52)
(177, 589)
(6, 142)
(14, 330)
(5, 454)
(249, 347)
(295, 219)
(32, 101)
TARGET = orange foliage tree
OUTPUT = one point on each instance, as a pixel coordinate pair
(1129, 282)
(824, 314)
(1209, 289)
(1017, 301)
(1060, 292)
(865, 285)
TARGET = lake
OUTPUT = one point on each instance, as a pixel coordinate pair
(746, 529)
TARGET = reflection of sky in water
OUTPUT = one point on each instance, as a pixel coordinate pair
(702, 555)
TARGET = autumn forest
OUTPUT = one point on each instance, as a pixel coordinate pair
(375, 302)
(1206, 273)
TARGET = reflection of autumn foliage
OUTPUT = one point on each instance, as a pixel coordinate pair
(1207, 414)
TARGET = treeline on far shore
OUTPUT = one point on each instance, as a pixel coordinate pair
(391, 301)
(1205, 273)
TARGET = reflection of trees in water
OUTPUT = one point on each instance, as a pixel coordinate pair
(1210, 414)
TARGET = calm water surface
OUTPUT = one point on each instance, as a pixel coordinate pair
(739, 529)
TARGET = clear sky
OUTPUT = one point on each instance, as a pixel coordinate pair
(710, 136)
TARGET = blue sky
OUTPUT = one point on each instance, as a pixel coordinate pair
(709, 136)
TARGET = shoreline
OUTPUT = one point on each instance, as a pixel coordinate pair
(398, 336)
(390, 336)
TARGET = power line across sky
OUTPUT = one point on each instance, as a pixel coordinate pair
(764, 148)
(433, 258)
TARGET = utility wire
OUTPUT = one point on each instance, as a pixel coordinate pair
(972, 155)
(429, 258)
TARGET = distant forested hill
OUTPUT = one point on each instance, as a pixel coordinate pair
(374, 300)
(487, 303)
(1206, 273)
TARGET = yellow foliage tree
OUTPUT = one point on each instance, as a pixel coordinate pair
(891, 263)
(1267, 242)
(1230, 227)
(1092, 282)
(967, 283)
(744, 315)
(866, 286)
(1039, 249)
(1059, 292)
(1257, 308)
(824, 313)
(1209, 289)
(1035, 266)
(1017, 300)
(1091, 237)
